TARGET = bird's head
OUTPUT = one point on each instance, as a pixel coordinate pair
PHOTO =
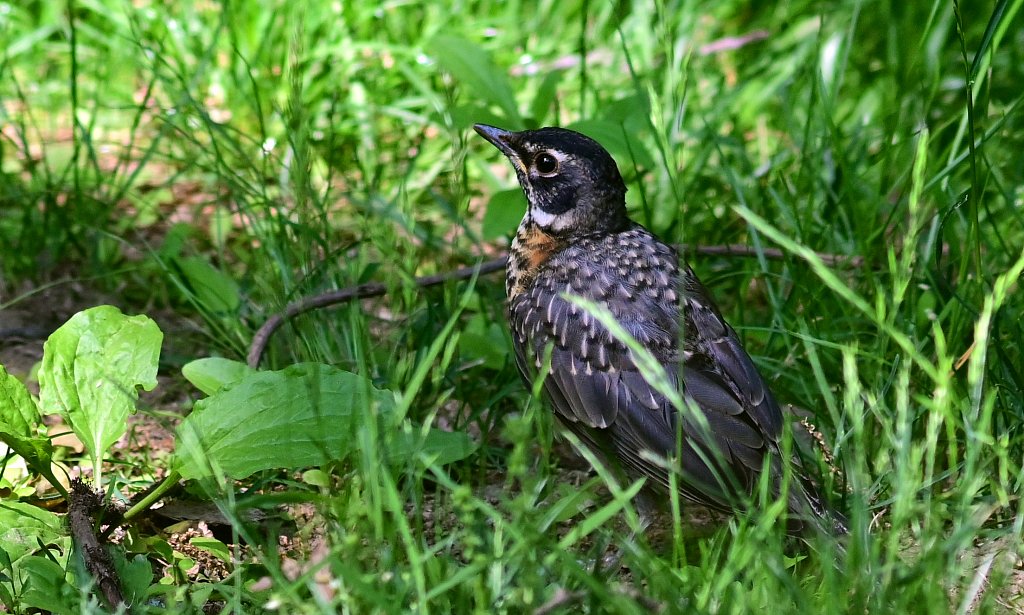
(572, 185)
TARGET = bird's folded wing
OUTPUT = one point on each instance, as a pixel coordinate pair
(601, 395)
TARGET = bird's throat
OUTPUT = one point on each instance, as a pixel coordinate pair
(531, 249)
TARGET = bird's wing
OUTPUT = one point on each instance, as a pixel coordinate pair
(600, 394)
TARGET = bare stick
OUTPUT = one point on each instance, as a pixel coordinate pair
(376, 289)
(363, 291)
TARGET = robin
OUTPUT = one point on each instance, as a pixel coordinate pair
(707, 414)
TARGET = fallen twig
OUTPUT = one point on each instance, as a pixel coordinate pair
(363, 291)
(376, 289)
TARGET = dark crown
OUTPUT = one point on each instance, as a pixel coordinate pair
(581, 188)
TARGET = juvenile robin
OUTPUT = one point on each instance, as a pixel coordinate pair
(576, 240)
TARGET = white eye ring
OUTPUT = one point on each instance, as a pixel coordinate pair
(546, 164)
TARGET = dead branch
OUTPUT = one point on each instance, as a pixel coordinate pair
(376, 289)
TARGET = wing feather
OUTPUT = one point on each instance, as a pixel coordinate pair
(598, 392)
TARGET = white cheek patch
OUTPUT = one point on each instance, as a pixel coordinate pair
(551, 222)
(542, 218)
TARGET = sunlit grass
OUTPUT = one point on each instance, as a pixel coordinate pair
(224, 161)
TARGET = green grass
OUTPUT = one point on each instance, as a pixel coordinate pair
(221, 161)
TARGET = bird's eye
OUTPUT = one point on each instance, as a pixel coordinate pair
(546, 164)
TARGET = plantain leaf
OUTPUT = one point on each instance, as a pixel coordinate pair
(24, 527)
(91, 367)
(304, 415)
(211, 288)
(212, 374)
(19, 426)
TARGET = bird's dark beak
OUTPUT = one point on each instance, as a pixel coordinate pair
(501, 139)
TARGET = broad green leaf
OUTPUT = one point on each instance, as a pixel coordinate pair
(6, 597)
(23, 527)
(317, 478)
(91, 368)
(211, 288)
(484, 341)
(45, 586)
(211, 374)
(504, 211)
(440, 447)
(473, 66)
(300, 416)
(304, 415)
(19, 421)
(136, 575)
(620, 139)
(214, 546)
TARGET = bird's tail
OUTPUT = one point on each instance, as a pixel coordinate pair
(810, 514)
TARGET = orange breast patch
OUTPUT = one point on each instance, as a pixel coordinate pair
(538, 246)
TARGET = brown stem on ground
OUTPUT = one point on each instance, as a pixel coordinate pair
(363, 291)
(83, 505)
(376, 289)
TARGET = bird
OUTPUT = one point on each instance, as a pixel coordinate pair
(707, 414)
